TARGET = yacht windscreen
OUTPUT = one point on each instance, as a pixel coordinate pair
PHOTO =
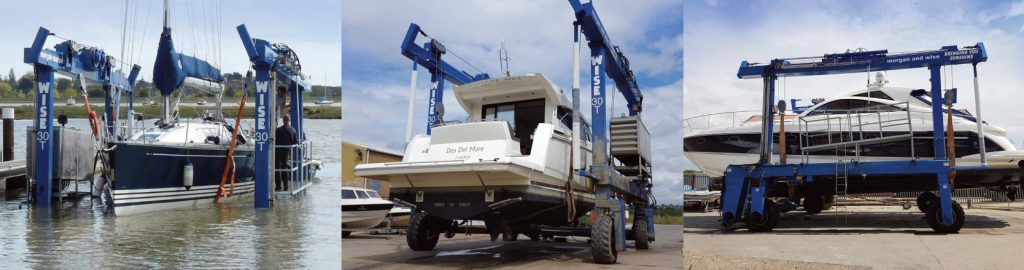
(348, 194)
(522, 117)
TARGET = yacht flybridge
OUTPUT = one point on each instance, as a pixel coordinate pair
(514, 149)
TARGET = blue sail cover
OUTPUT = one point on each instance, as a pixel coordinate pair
(171, 68)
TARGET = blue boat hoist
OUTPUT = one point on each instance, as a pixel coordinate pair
(274, 65)
(617, 185)
(747, 186)
(76, 60)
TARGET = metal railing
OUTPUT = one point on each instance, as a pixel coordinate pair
(840, 130)
(301, 159)
(717, 120)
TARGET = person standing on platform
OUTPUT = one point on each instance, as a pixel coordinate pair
(286, 136)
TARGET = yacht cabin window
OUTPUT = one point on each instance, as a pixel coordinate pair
(874, 94)
(843, 106)
(522, 117)
(348, 194)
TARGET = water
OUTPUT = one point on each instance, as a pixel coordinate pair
(297, 232)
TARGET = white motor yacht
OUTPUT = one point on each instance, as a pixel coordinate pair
(877, 123)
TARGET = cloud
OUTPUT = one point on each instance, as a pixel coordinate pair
(538, 36)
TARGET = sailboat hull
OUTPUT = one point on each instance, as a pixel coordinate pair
(150, 177)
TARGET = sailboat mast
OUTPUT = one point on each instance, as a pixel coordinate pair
(167, 15)
(165, 110)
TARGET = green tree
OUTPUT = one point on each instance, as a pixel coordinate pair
(70, 92)
(10, 78)
(6, 90)
(26, 83)
(63, 84)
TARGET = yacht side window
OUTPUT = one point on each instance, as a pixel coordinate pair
(564, 117)
(505, 112)
(874, 94)
(373, 194)
(348, 194)
(362, 194)
(844, 106)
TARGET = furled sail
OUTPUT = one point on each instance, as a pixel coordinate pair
(171, 68)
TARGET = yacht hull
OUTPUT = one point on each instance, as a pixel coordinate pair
(149, 177)
(458, 190)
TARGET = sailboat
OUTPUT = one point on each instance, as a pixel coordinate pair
(179, 163)
(323, 99)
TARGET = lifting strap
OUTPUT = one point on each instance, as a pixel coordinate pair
(230, 159)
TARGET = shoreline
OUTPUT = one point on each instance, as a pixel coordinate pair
(187, 111)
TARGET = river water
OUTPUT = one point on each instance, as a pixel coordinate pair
(300, 231)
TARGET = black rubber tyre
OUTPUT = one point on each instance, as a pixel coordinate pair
(770, 219)
(420, 235)
(640, 233)
(813, 204)
(926, 199)
(509, 236)
(935, 218)
(345, 234)
(602, 240)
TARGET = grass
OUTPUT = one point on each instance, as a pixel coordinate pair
(151, 112)
(672, 220)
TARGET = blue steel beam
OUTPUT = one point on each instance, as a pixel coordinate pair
(270, 67)
(429, 56)
(856, 62)
(73, 60)
(616, 64)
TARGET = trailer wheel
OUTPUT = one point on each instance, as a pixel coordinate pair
(421, 235)
(770, 219)
(925, 199)
(509, 236)
(345, 234)
(814, 203)
(934, 218)
(602, 240)
(640, 233)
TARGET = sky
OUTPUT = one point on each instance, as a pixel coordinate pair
(721, 34)
(311, 28)
(538, 38)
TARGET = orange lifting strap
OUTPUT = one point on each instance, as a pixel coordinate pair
(230, 159)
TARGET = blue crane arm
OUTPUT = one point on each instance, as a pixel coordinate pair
(429, 54)
(854, 62)
(265, 54)
(617, 65)
(70, 58)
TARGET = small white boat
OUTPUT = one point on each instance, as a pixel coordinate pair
(398, 216)
(361, 209)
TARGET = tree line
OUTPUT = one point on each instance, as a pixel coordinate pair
(13, 87)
